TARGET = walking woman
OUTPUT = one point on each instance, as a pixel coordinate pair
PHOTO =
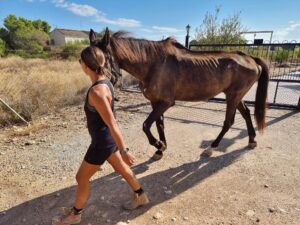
(107, 143)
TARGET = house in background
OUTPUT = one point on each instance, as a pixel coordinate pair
(60, 37)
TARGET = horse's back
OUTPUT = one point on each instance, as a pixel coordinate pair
(202, 76)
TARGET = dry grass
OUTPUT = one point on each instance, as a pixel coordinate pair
(37, 86)
(27, 130)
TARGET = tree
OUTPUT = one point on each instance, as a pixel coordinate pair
(41, 26)
(212, 31)
(2, 47)
(25, 35)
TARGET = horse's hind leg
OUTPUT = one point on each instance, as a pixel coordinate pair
(229, 119)
(245, 112)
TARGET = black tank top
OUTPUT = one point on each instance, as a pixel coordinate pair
(95, 124)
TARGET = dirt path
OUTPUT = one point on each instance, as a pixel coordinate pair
(235, 186)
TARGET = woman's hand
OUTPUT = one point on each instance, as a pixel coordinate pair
(127, 157)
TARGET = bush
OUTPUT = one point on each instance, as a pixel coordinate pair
(2, 47)
(297, 52)
(72, 50)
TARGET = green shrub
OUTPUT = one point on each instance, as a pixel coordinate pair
(2, 47)
(282, 55)
(297, 52)
(72, 50)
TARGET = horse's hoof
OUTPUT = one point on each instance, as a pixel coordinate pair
(161, 146)
(252, 145)
(158, 155)
(207, 153)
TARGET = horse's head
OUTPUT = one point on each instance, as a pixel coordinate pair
(104, 46)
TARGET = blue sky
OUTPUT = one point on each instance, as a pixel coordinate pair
(155, 19)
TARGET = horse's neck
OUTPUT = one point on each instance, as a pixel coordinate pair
(138, 70)
(132, 57)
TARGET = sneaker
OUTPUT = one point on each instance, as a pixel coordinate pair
(137, 201)
(69, 217)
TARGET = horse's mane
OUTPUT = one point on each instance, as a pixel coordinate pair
(137, 50)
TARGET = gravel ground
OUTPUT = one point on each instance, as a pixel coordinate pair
(235, 186)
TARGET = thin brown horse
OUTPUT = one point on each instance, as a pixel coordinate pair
(168, 72)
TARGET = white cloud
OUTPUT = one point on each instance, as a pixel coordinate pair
(89, 11)
(119, 21)
(35, 1)
(147, 30)
(80, 10)
(165, 29)
(286, 33)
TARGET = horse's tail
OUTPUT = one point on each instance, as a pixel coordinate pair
(261, 94)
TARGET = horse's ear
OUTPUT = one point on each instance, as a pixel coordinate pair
(106, 37)
(93, 38)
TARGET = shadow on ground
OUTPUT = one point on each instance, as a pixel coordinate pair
(116, 192)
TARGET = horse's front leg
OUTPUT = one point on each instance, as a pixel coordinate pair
(156, 115)
(160, 129)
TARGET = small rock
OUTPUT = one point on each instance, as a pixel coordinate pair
(297, 209)
(168, 192)
(266, 186)
(102, 198)
(165, 188)
(174, 219)
(57, 194)
(185, 218)
(108, 220)
(250, 213)
(124, 213)
(30, 142)
(257, 220)
(23, 167)
(63, 178)
(104, 215)
(157, 216)
(121, 223)
(24, 220)
(271, 210)
(282, 210)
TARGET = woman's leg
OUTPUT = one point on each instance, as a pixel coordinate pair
(140, 198)
(73, 215)
(85, 172)
(116, 161)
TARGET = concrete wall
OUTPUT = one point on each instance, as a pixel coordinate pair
(57, 38)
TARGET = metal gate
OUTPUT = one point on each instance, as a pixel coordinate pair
(284, 58)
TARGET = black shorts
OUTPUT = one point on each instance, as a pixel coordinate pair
(102, 146)
(97, 154)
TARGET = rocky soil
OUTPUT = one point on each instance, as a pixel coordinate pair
(235, 186)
